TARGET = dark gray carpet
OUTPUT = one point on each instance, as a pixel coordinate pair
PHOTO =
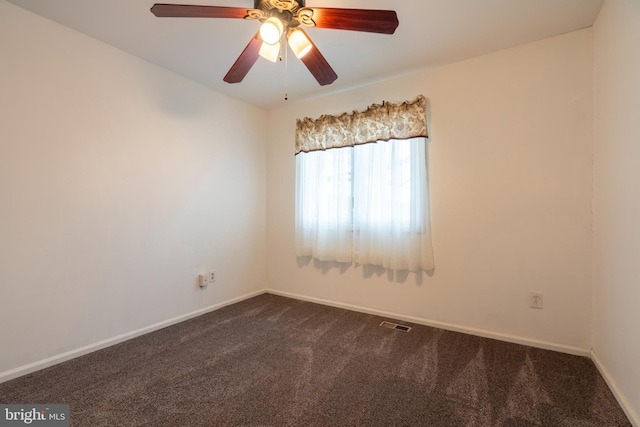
(273, 361)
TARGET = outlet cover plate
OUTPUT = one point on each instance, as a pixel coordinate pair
(535, 300)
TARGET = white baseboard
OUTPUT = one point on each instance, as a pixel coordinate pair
(585, 352)
(72, 354)
(613, 386)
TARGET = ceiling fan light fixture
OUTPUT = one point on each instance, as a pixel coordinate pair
(270, 51)
(271, 30)
(278, 18)
(299, 42)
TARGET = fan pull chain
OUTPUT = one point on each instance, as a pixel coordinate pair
(286, 69)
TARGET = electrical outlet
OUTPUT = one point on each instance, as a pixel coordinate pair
(203, 280)
(535, 300)
(212, 276)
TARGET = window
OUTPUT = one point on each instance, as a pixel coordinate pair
(366, 203)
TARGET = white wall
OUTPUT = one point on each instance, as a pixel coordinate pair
(616, 204)
(510, 177)
(119, 183)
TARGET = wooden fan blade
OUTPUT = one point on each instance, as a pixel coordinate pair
(367, 20)
(318, 65)
(245, 61)
(162, 10)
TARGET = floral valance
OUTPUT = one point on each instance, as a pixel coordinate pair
(376, 123)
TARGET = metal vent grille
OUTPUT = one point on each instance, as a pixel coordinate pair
(395, 326)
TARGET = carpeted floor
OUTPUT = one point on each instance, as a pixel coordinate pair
(274, 361)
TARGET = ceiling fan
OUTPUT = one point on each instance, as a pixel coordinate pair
(285, 17)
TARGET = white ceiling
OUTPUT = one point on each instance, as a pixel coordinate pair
(431, 32)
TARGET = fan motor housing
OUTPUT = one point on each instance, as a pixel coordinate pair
(284, 10)
(281, 5)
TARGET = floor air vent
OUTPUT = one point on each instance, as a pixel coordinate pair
(395, 326)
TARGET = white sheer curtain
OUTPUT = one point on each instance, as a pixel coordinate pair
(367, 204)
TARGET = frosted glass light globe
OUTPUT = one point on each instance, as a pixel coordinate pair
(271, 30)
